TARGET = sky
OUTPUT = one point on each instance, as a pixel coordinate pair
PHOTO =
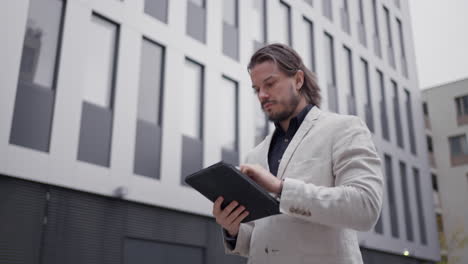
(440, 31)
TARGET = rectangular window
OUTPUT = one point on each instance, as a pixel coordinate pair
(351, 97)
(369, 112)
(406, 202)
(196, 20)
(192, 118)
(35, 95)
(230, 12)
(362, 25)
(157, 9)
(409, 113)
(383, 106)
(229, 123)
(231, 28)
(99, 84)
(309, 56)
(99, 72)
(462, 105)
(419, 202)
(331, 74)
(404, 64)
(391, 196)
(260, 26)
(344, 12)
(425, 109)
(148, 134)
(458, 145)
(430, 147)
(327, 9)
(396, 113)
(377, 48)
(390, 50)
(285, 31)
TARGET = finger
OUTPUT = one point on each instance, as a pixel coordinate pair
(235, 214)
(239, 219)
(228, 209)
(217, 205)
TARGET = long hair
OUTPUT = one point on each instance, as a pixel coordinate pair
(289, 62)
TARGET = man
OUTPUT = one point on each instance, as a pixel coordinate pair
(323, 167)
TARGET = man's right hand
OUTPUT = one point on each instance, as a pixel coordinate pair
(230, 217)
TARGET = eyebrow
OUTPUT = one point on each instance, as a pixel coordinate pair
(266, 79)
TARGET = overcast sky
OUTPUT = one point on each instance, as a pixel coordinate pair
(440, 29)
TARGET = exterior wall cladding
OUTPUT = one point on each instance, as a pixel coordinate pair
(105, 106)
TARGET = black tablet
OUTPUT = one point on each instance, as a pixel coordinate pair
(222, 179)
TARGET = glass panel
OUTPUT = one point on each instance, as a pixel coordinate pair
(376, 19)
(309, 47)
(348, 62)
(99, 72)
(422, 220)
(150, 81)
(228, 112)
(258, 28)
(391, 196)
(191, 99)
(230, 12)
(285, 21)
(406, 202)
(330, 67)
(200, 3)
(465, 105)
(41, 43)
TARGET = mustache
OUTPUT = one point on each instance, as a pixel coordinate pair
(268, 101)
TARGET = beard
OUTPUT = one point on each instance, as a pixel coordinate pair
(290, 106)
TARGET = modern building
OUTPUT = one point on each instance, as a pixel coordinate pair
(105, 107)
(445, 110)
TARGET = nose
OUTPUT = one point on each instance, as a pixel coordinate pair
(262, 95)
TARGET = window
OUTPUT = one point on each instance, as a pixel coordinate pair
(99, 81)
(192, 118)
(409, 113)
(230, 12)
(330, 73)
(99, 72)
(461, 103)
(435, 185)
(458, 145)
(260, 26)
(425, 109)
(31, 125)
(157, 9)
(285, 32)
(344, 12)
(231, 28)
(404, 64)
(351, 97)
(148, 134)
(406, 202)
(196, 20)
(192, 100)
(430, 146)
(396, 113)
(309, 56)
(419, 202)
(362, 25)
(391, 52)
(149, 95)
(229, 123)
(327, 9)
(391, 196)
(369, 112)
(383, 106)
(377, 48)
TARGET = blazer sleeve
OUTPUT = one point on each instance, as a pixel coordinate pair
(243, 240)
(356, 199)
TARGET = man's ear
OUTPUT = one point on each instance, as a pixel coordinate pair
(299, 79)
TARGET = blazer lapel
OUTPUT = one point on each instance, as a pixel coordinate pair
(306, 125)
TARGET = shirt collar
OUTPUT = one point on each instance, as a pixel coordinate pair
(296, 121)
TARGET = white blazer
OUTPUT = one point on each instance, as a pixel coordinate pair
(332, 187)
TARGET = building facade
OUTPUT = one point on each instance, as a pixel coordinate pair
(105, 107)
(446, 113)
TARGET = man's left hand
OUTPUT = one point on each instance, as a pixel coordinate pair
(263, 177)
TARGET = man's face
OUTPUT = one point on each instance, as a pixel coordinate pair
(278, 94)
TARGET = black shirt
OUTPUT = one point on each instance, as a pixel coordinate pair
(281, 139)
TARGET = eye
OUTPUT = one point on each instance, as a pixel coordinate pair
(255, 90)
